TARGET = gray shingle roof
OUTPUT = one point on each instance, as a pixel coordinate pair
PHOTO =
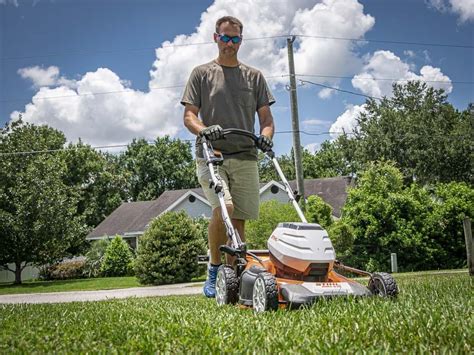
(132, 217)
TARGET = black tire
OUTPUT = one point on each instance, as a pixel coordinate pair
(383, 284)
(227, 286)
(265, 293)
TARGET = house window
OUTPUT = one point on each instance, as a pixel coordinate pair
(191, 198)
(274, 189)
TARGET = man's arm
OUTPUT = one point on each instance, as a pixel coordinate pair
(191, 120)
(267, 127)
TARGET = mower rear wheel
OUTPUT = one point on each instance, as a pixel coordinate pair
(227, 286)
(383, 284)
(265, 293)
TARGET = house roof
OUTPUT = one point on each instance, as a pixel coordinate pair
(134, 217)
(332, 190)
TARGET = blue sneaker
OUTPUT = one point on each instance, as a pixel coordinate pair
(209, 288)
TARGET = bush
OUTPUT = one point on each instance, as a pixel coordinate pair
(318, 211)
(66, 269)
(342, 238)
(94, 257)
(169, 249)
(117, 259)
(272, 212)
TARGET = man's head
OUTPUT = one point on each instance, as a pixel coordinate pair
(228, 36)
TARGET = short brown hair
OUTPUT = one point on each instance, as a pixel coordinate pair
(232, 20)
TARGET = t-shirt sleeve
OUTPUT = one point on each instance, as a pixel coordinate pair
(264, 95)
(192, 91)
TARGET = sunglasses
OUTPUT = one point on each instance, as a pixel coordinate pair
(227, 39)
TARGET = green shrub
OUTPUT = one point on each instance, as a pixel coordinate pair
(117, 259)
(169, 248)
(342, 238)
(272, 212)
(318, 211)
(67, 269)
(94, 257)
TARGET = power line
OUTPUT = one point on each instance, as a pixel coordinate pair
(389, 41)
(368, 40)
(457, 136)
(341, 90)
(125, 91)
(384, 79)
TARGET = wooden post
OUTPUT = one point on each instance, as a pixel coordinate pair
(469, 245)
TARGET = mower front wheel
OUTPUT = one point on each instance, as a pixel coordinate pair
(383, 284)
(265, 293)
(227, 286)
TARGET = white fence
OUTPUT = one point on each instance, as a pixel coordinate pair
(29, 273)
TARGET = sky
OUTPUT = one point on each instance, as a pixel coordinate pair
(108, 71)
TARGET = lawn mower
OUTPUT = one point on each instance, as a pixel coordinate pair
(299, 266)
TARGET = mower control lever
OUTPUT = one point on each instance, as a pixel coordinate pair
(229, 250)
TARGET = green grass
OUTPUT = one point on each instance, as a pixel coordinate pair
(433, 314)
(105, 283)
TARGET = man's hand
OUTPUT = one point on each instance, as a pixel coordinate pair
(212, 133)
(264, 143)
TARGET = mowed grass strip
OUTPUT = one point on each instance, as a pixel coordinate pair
(432, 314)
(104, 283)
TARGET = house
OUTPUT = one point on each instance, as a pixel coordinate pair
(131, 219)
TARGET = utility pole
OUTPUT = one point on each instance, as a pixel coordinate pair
(295, 122)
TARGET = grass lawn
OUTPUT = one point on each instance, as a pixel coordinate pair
(433, 314)
(103, 283)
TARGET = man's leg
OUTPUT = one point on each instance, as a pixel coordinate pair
(217, 236)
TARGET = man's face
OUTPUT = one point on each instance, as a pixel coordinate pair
(228, 49)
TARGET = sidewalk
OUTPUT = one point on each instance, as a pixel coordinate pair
(193, 288)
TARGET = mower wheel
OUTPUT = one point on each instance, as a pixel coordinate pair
(265, 293)
(383, 285)
(227, 286)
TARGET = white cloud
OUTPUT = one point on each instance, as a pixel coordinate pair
(347, 122)
(45, 77)
(326, 93)
(463, 8)
(312, 147)
(386, 65)
(118, 117)
(314, 122)
(105, 118)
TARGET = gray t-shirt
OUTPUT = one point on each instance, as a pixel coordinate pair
(229, 97)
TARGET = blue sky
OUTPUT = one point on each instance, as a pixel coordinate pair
(111, 70)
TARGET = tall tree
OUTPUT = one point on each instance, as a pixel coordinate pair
(417, 128)
(101, 184)
(167, 164)
(38, 211)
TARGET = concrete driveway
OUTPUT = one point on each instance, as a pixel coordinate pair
(86, 296)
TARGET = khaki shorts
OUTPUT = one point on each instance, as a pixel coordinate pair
(241, 186)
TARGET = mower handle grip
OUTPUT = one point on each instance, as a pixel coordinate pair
(243, 132)
(240, 132)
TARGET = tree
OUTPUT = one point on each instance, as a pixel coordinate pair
(387, 217)
(38, 213)
(117, 259)
(452, 203)
(101, 184)
(165, 165)
(428, 139)
(318, 211)
(169, 249)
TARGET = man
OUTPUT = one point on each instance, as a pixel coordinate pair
(226, 94)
